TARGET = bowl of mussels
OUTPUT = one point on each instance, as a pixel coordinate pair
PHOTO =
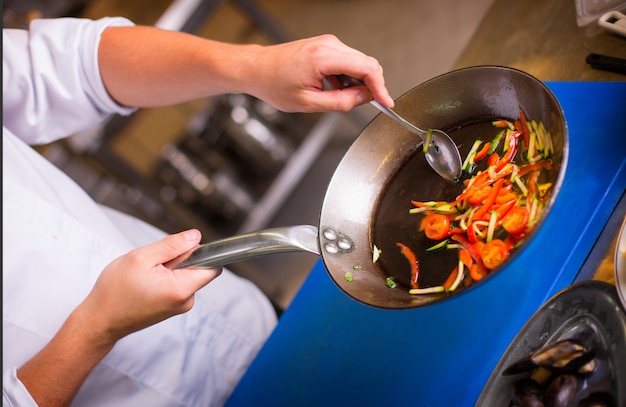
(570, 353)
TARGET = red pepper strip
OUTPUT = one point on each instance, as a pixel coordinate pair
(493, 159)
(504, 208)
(539, 165)
(471, 249)
(483, 152)
(507, 170)
(524, 125)
(475, 270)
(522, 128)
(506, 193)
(510, 152)
(471, 233)
(479, 181)
(466, 258)
(478, 246)
(480, 212)
(410, 256)
(456, 231)
(532, 181)
(479, 194)
(506, 196)
(478, 268)
(451, 279)
(474, 194)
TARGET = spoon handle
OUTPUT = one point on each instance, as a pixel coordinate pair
(395, 116)
(348, 81)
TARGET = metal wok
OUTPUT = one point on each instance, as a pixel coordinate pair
(369, 195)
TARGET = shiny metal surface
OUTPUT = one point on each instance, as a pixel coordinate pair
(620, 264)
(241, 247)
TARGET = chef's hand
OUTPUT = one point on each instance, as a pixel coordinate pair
(133, 292)
(292, 76)
(136, 290)
(147, 67)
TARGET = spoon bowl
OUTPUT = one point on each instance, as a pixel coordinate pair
(441, 153)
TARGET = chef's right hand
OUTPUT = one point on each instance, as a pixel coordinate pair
(291, 75)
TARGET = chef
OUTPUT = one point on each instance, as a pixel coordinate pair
(91, 315)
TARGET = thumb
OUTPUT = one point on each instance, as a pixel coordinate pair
(181, 243)
(173, 246)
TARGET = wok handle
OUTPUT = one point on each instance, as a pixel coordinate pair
(249, 245)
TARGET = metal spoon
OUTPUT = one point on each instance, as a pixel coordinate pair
(441, 153)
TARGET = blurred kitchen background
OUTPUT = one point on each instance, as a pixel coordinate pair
(233, 164)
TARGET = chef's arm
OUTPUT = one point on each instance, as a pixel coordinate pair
(146, 66)
(54, 375)
(132, 292)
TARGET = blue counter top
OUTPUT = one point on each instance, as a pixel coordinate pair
(329, 350)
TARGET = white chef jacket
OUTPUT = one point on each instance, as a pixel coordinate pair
(56, 240)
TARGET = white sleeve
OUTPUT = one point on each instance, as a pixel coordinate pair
(14, 394)
(52, 86)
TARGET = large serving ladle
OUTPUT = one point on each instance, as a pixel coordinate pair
(441, 153)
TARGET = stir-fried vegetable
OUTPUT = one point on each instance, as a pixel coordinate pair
(389, 282)
(436, 226)
(413, 263)
(497, 209)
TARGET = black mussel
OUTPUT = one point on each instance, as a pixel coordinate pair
(527, 393)
(589, 366)
(522, 365)
(564, 390)
(559, 354)
(598, 399)
(566, 355)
